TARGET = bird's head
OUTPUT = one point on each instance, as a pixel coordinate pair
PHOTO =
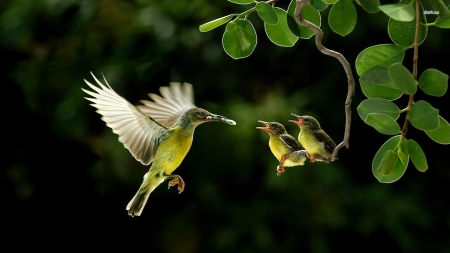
(272, 128)
(306, 121)
(197, 116)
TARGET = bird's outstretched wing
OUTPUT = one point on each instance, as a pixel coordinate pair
(290, 141)
(137, 131)
(176, 100)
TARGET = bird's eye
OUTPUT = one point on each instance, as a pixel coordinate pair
(305, 120)
(201, 114)
(272, 125)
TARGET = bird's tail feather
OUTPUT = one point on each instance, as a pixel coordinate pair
(137, 203)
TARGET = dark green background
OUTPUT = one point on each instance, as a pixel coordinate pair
(66, 179)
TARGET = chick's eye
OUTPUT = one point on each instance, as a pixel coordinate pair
(305, 120)
(201, 114)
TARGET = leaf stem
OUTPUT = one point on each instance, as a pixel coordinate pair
(300, 4)
(414, 73)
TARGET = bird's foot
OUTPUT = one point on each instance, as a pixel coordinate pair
(280, 169)
(177, 180)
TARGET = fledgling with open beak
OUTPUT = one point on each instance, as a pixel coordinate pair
(159, 132)
(315, 141)
(284, 147)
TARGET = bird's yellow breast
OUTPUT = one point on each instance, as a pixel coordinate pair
(172, 151)
(279, 149)
(311, 144)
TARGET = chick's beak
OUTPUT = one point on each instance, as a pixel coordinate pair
(300, 120)
(215, 117)
(266, 128)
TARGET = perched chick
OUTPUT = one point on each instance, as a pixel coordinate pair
(315, 141)
(284, 147)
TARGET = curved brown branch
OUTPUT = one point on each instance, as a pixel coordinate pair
(300, 4)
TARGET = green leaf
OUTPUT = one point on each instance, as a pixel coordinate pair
(442, 134)
(382, 123)
(308, 13)
(403, 33)
(342, 17)
(381, 56)
(400, 12)
(402, 150)
(443, 23)
(376, 83)
(267, 13)
(378, 105)
(280, 34)
(399, 168)
(423, 116)
(215, 23)
(402, 78)
(318, 5)
(417, 156)
(239, 39)
(439, 5)
(330, 1)
(433, 82)
(241, 1)
(371, 6)
(387, 163)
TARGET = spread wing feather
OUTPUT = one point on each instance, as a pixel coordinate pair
(175, 101)
(137, 131)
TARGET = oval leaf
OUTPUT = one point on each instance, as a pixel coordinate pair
(378, 105)
(241, 1)
(342, 17)
(381, 56)
(387, 163)
(433, 82)
(239, 39)
(403, 33)
(280, 34)
(402, 78)
(376, 83)
(308, 13)
(402, 150)
(442, 23)
(440, 135)
(371, 6)
(400, 12)
(423, 116)
(267, 13)
(215, 23)
(417, 156)
(399, 168)
(382, 123)
(330, 1)
(440, 6)
(318, 5)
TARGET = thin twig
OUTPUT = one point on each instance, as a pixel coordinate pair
(300, 4)
(415, 63)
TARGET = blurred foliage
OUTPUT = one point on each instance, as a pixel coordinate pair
(66, 179)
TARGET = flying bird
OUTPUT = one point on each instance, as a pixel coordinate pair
(283, 146)
(159, 132)
(316, 142)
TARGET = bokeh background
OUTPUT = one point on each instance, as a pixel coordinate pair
(66, 179)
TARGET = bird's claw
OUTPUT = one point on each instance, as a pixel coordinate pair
(177, 180)
(280, 169)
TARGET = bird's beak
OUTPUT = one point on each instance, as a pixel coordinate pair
(267, 128)
(215, 117)
(300, 120)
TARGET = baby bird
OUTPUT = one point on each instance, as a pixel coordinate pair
(284, 147)
(315, 141)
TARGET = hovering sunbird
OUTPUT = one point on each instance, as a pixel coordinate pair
(159, 132)
(315, 141)
(283, 146)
